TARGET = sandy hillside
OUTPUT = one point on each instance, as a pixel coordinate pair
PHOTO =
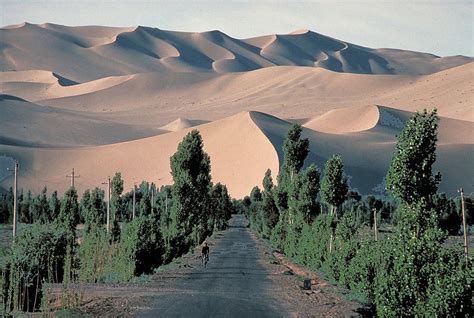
(103, 99)
(241, 148)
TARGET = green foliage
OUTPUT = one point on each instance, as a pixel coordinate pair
(95, 255)
(269, 211)
(54, 206)
(410, 174)
(141, 249)
(221, 207)
(449, 218)
(69, 213)
(409, 273)
(94, 209)
(303, 194)
(334, 184)
(295, 149)
(6, 206)
(190, 168)
(37, 256)
(414, 263)
(116, 190)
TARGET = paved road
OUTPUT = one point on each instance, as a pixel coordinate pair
(234, 284)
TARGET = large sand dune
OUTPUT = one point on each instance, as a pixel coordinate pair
(87, 53)
(241, 148)
(105, 99)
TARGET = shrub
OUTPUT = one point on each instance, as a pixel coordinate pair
(37, 256)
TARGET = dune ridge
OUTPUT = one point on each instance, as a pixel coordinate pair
(105, 51)
(241, 147)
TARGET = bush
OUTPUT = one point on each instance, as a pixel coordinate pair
(95, 256)
(141, 249)
(37, 256)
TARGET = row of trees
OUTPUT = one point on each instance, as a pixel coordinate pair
(52, 250)
(408, 272)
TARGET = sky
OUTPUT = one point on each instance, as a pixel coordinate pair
(442, 27)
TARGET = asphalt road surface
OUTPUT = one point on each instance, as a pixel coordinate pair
(234, 283)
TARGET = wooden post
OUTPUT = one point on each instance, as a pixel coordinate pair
(15, 198)
(133, 206)
(108, 205)
(375, 224)
(466, 252)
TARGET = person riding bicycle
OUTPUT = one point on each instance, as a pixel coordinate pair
(205, 252)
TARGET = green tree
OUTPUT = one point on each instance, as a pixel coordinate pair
(295, 151)
(269, 208)
(95, 211)
(334, 184)
(410, 177)
(68, 217)
(54, 206)
(43, 209)
(190, 168)
(116, 190)
(221, 207)
(116, 205)
(307, 191)
(417, 275)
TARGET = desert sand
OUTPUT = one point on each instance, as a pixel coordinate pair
(101, 99)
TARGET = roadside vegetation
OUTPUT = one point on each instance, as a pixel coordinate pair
(64, 240)
(406, 270)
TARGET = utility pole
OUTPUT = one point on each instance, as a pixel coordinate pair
(464, 224)
(72, 176)
(133, 209)
(152, 189)
(15, 198)
(108, 204)
(375, 225)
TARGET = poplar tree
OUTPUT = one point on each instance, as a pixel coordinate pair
(295, 151)
(410, 177)
(190, 168)
(334, 184)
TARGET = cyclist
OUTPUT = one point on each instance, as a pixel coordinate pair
(205, 253)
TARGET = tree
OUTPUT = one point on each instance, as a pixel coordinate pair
(307, 192)
(116, 208)
(221, 207)
(68, 217)
(95, 210)
(84, 206)
(417, 275)
(24, 204)
(410, 177)
(190, 168)
(334, 184)
(116, 190)
(43, 208)
(295, 151)
(54, 206)
(270, 210)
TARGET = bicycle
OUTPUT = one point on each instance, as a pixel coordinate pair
(204, 259)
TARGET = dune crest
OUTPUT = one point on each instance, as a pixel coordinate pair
(105, 51)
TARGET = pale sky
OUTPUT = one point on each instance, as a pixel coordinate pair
(442, 27)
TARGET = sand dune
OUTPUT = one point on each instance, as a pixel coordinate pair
(286, 92)
(26, 124)
(181, 123)
(105, 99)
(100, 52)
(247, 155)
(241, 148)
